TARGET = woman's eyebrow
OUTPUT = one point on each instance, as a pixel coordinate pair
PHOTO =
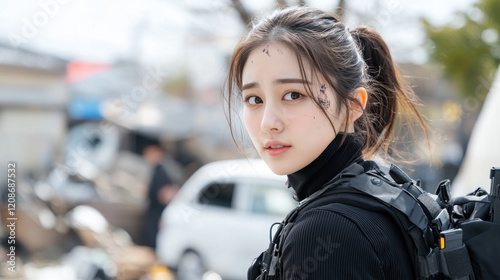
(249, 86)
(291, 81)
(277, 81)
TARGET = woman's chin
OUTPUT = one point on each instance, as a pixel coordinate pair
(280, 168)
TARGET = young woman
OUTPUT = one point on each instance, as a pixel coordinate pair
(315, 99)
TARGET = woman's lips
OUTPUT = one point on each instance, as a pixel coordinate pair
(272, 151)
(276, 148)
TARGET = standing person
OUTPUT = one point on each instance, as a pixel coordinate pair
(161, 190)
(317, 98)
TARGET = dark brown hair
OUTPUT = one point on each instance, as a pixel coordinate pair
(347, 60)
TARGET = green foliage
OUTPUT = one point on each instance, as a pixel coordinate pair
(177, 85)
(469, 52)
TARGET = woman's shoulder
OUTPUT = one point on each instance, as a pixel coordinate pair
(351, 242)
(346, 221)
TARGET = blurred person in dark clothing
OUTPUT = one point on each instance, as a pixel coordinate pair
(161, 190)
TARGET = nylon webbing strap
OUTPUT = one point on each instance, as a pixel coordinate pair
(429, 265)
(456, 264)
(431, 204)
(393, 196)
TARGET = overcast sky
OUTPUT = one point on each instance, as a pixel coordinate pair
(106, 30)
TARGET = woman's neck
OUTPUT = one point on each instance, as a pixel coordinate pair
(327, 165)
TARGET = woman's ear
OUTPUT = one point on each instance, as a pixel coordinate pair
(357, 108)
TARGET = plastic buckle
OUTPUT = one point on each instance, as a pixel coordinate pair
(442, 221)
(450, 239)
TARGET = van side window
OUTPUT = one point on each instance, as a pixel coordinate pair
(271, 200)
(217, 194)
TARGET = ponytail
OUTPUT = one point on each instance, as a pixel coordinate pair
(390, 96)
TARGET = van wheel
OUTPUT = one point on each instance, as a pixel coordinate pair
(190, 267)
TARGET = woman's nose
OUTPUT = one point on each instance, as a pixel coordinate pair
(272, 119)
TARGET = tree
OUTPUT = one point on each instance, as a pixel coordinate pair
(469, 53)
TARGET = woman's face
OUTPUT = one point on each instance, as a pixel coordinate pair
(286, 127)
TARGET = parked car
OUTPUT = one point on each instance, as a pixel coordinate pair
(220, 219)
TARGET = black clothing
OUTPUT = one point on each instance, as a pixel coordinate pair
(155, 208)
(159, 180)
(337, 241)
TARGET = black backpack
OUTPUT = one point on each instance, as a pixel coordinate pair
(451, 238)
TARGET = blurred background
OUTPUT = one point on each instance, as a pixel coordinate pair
(86, 86)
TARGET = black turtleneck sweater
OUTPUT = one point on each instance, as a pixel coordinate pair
(339, 154)
(338, 241)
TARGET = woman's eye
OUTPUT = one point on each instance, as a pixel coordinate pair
(292, 95)
(253, 100)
